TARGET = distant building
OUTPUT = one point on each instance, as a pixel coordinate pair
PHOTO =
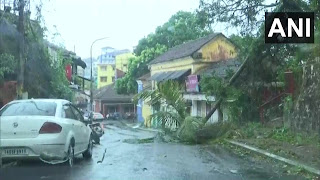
(122, 62)
(106, 66)
(107, 101)
(87, 71)
(74, 73)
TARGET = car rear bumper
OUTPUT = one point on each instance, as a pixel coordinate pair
(45, 147)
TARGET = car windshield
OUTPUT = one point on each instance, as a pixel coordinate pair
(29, 108)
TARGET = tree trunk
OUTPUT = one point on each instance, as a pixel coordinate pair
(232, 79)
(220, 114)
(20, 84)
(214, 108)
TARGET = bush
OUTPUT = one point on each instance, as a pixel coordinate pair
(214, 131)
(187, 131)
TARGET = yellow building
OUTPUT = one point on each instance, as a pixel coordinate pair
(143, 107)
(106, 74)
(114, 65)
(213, 53)
(122, 61)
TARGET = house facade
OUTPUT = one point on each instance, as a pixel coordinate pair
(107, 101)
(110, 66)
(122, 61)
(186, 64)
(74, 73)
(106, 74)
(143, 108)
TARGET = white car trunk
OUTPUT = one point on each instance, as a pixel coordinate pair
(12, 127)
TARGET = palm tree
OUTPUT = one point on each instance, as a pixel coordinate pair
(167, 95)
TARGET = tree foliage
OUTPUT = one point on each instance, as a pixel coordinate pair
(264, 63)
(168, 94)
(181, 27)
(43, 78)
(137, 67)
(236, 100)
(8, 65)
(247, 15)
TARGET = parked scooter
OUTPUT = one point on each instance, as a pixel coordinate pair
(96, 127)
(97, 132)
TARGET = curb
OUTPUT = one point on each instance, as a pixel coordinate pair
(150, 130)
(279, 158)
(10, 164)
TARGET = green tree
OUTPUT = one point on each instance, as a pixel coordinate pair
(137, 67)
(168, 94)
(43, 79)
(181, 27)
(261, 62)
(7, 65)
(247, 15)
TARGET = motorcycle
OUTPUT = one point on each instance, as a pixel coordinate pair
(96, 127)
(97, 132)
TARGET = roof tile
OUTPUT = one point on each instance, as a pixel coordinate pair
(184, 50)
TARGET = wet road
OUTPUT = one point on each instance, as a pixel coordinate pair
(126, 153)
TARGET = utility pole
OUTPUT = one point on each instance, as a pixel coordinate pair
(21, 63)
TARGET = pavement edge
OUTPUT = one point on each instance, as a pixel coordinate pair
(279, 158)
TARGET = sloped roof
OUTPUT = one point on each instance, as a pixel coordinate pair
(145, 77)
(184, 50)
(108, 93)
(220, 68)
(163, 76)
(119, 73)
(146, 81)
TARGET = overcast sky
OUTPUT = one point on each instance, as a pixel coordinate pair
(80, 22)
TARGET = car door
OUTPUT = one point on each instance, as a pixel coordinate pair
(84, 132)
(75, 124)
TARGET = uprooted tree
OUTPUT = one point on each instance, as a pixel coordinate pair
(262, 62)
(173, 115)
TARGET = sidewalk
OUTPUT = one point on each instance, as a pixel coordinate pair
(295, 160)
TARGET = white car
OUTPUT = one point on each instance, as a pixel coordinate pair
(50, 129)
(97, 116)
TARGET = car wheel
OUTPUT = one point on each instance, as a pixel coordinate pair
(88, 153)
(71, 155)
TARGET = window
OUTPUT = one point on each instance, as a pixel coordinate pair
(77, 113)
(113, 78)
(125, 65)
(103, 68)
(103, 78)
(113, 68)
(29, 108)
(68, 113)
(199, 112)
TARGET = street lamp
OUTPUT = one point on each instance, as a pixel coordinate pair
(91, 90)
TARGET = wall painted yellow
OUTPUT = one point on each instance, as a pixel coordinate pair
(218, 49)
(105, 70)
(122, 61)
(175, 65)
(146, 113)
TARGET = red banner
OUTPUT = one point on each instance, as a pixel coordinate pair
(192, 83)
(69, 72)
